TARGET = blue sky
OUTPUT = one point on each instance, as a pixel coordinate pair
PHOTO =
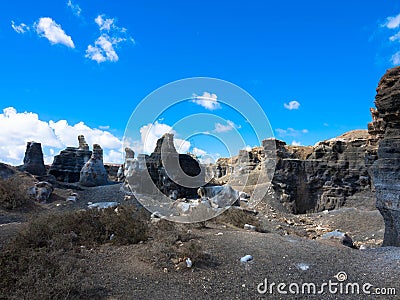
(76, 66)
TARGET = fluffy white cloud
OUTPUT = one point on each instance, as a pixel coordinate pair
(290, 132)
(21, 28)
(292, 105)
(392, 22)
(103, 50)
(395, 37)
(296, 143)
(150, 133)
(16, 131)
(48, 28)
(104, 23)
(199, 152)
(207, 100)
(396, 58)
(76, 10)
(225, 128)
(110, 37)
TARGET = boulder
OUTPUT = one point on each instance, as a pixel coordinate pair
(33, 160)
(67, 165)
(93, 173)
(386, 169)
(42, 191)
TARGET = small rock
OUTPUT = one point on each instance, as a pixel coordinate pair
(246, 258)
(249, 227)
(303, 266)
(189, 262)
(102, 205)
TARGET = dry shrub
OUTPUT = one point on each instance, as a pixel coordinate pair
(44, 261)
(170, 244)
(238, 218)
(84, 228)
(13, 193)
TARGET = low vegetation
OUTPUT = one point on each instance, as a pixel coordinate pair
(13, 193)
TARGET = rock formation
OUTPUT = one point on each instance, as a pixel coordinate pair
(67, 165)
(386, 170)
(311, 179)
(33, 160)
(166, 170)
(93, 172)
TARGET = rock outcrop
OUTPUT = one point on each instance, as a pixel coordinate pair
(33, 160)
(165, 170)
(67, 165)
(311, 179)
(386, 170)
(93, 173)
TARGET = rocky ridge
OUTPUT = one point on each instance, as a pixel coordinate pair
(386, 169)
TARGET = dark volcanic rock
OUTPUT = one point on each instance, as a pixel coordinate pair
(93, 172)
(33, 160)
(67, 165)
(386, 170)
(167, 169)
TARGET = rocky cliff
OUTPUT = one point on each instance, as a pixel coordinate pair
(312, 179)
(67, 165)
(386, 170)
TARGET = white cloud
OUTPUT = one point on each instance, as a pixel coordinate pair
(207, 100)
(76, 10)
(396, 58)
(392, 22)
(110, 37)
(225, 128)
(199, 152)
(290, 132)
(150, 133)
(16, 131)
(103, 50)
(104, 24)
(395, 37)
(292, 105)
(296, 143)
(21, 28)
(48, 28)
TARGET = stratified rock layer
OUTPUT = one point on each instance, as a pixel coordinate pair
(93, 172)
(311, 179)
(67, 165)
(386, 170)
(33, 160)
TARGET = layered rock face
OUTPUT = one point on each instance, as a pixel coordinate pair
(33, 159)
(311, 179)
(165, 171)
(93, 172)
(67, 165)
(386, 170)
